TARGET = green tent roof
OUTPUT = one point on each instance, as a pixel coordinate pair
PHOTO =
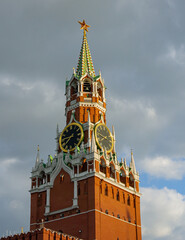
(85, 63)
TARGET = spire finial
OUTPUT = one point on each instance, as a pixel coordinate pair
(131, 151)
(84, 26)
(37, 158)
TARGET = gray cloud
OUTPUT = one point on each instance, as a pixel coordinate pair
(139, 48)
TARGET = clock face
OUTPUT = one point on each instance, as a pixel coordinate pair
(71, 137)
(103, 137)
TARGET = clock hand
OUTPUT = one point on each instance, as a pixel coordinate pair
(69, 138)
(66, 138)
(102, 136)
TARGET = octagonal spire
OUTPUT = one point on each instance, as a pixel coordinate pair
(85, 63)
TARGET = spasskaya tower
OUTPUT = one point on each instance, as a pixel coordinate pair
(84, 190)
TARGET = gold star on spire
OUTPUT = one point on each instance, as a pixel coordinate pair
(84, 26)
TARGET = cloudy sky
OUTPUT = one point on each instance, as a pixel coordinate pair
(139, 46)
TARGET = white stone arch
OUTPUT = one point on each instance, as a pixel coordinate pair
(74, 86)
(131, 179)
(112, 170)
(122, 175)
(100, 89)
(87, 84)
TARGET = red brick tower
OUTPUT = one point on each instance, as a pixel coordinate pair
(84, 191)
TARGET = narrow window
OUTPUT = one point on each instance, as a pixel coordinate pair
(112, 171)
(106, 190)
(99, 88)
(102, 166)
(128, 200)
(122, 177)
(123, 197)
(74, 88)
(117, 196)
(134, 202)
(112, 192)
(100, 188)
(131, 180)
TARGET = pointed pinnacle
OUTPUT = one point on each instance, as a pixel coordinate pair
(125, 163)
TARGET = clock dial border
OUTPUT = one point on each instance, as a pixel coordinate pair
(96, 138)
(79, 141)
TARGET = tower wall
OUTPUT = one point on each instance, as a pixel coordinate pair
(100, 213)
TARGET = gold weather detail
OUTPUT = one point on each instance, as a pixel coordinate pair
(84, 26)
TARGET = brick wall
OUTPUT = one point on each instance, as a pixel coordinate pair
(41, 234)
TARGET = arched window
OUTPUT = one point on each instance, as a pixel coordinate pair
(102, 166)
(122, 176)
(99, 89)
(83, 167)
(131, 180)
(86, 86)
(74, 87)
(112, 171)
(42, 178)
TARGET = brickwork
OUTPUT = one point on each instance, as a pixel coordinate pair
(101, 206)
(41, 234)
